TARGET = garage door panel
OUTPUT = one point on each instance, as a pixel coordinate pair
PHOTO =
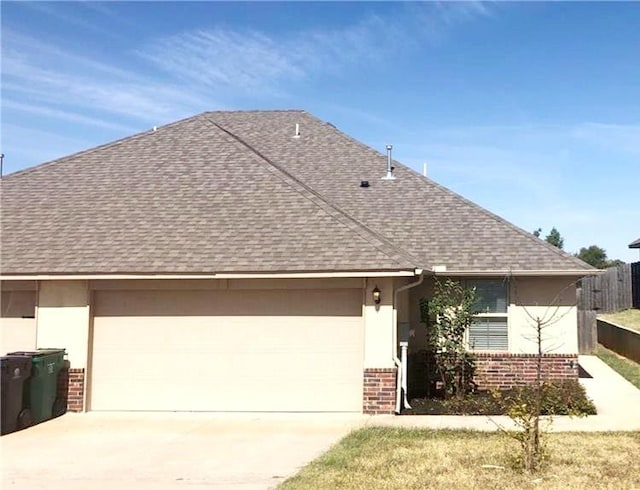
(227, 361)
(305, 303)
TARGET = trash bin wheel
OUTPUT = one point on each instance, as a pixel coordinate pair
(59, 407)
(24, 419)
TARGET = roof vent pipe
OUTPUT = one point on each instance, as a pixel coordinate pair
(297, 133)
(390, 168)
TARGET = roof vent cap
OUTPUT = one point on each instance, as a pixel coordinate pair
(390, 168)
(364, 183)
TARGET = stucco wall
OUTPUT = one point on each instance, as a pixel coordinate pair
(17, 318)
(379, 325)
(553, 301)
(63, 318)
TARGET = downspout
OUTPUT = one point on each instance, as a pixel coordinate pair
(401, 378)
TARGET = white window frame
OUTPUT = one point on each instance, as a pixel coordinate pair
(499, 315)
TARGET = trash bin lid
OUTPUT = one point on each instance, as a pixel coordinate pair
(36, 353)
(11, 363)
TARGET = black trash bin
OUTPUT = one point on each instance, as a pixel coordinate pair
(14, 412)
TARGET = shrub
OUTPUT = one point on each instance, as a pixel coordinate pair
(448, 315)
(566, 397)
(558, 398)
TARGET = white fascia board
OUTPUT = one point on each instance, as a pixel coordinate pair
(502, 273)
(284, 275)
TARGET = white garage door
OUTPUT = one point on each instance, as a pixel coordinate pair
(228, 350)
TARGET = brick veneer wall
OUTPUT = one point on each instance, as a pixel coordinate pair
(508, 370)
(379, 395)
(71, 388)
(75, 402)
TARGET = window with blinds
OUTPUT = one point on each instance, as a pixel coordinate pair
(490, 329)
(489, 333)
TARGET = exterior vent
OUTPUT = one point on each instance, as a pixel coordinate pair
(390, 168)
(364, 183)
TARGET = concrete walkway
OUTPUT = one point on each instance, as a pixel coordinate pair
(617, 402)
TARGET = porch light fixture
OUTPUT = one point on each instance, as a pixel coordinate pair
(376, 295)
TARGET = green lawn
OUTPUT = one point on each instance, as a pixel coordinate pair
(627, 368)
(627, 318)
(388, 458)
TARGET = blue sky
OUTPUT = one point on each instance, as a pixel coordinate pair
(532, 110)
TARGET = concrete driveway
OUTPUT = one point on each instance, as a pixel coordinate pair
(167, 450)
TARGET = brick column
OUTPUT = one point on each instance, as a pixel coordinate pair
(71, 389)
(379, 395)
(75, 402)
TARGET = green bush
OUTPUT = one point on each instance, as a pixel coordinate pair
(567, 397)
(558, 398)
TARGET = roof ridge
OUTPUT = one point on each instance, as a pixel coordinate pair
(385, 246)
(100, 147)
(252, 111)
(485, 211)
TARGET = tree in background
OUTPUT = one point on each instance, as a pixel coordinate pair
(597, 257)
(554, 237)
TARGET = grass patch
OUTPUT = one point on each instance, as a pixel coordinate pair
(626, 368)
(390, 458)
(627, 318)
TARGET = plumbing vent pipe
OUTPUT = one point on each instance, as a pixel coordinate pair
(390, 168)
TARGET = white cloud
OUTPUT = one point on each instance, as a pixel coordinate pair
(614, 137)
(65, 115)
(51, 78)
(222, 57)
(60, 12)
(195, 64)
(249, 60)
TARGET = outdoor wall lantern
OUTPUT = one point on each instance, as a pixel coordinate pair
(376, 295)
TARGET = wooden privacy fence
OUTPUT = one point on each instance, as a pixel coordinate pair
(608, 292)
(635, 284)
(587, 332)
(618, 288)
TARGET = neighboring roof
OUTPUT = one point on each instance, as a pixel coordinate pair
(635, 244)
(236, 192)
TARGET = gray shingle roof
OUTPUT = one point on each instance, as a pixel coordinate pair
(235, 192)
(635, 244)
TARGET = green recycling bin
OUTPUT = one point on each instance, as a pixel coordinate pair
(42, 388)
